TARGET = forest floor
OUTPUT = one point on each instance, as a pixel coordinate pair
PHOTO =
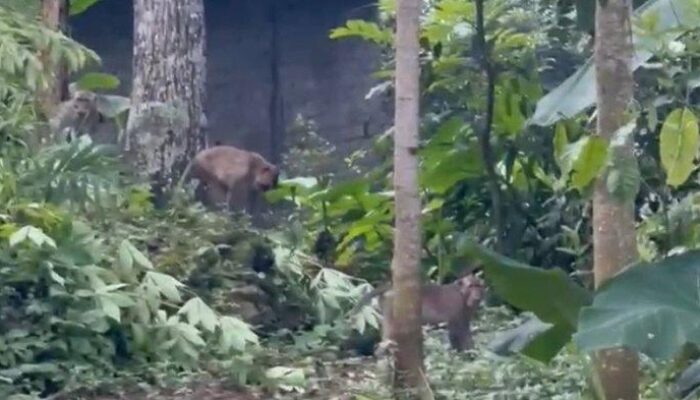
(340, 380)
(477, 374)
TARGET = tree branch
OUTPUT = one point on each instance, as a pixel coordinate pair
(482, 55)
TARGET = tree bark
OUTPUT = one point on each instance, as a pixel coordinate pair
(614, 242)
(54, 15)
(409, 378)
(167, 122)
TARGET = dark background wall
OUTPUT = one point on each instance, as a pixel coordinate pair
(249, 43)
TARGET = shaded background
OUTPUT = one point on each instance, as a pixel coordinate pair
(268, 61)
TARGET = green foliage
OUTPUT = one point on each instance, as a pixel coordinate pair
(364, 30)
(98, 80)
(80, 293)
(80, 6)
(308, 154)
(582, 160)
(656, 22)
(679, 145)
(20, 62)
(623, 179)
(79, 297)
(558, 301)
(650, 307)
(76, 173)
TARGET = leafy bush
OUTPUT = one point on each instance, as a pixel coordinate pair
(77, 292)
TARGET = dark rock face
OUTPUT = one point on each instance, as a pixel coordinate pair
(268, 61)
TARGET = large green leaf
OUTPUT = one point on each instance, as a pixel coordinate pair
(98, 80)
(583, 160)
(549, 294)
(589, 161)
(80, 6)
(454, 166)
(653, 308)
(678, 145)
(578, 92)
(559, 143)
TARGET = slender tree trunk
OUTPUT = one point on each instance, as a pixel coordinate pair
(54, 15)
(167, 121)
(614, 240)
(410, 381)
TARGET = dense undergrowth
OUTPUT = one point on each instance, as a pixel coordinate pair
(104, 296)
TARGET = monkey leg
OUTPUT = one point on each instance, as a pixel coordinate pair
(460, 335)
(238, 198)
(216, 195)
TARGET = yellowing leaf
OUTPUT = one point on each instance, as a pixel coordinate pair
(589, 162)
(678, 145)
(584, 159)
(560, 142)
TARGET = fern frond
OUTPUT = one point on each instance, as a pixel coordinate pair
(79, 173)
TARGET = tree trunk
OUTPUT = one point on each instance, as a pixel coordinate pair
(167, 122)
(54, 15)
(409, 379)
(614, 242)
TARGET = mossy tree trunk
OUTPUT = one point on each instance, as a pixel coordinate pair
(54, 15)
(167, 121)
(614, 240)
(409, 379)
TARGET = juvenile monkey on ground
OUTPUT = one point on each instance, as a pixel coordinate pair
(454, 303)
(232, 177)
(76, 116)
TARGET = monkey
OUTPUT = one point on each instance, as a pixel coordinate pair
(76, 116)
(454, 303)
(231, 176)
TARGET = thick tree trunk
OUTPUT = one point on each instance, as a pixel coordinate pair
(54, 15)
(410, 380)
(614, 240)
(167, 121)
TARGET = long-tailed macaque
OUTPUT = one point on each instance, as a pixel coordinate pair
(231, 176)
(454, 303)
(76, 116)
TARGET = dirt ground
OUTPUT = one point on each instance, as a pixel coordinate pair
(336, 380)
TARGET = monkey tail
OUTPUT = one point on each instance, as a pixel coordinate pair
(186, 172)
(367, 297)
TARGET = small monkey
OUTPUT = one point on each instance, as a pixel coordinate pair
(231, 176)
(454, 303)
(76, 116)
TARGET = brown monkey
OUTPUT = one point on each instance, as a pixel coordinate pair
(76, 116)
(232, 176)
(455, 303)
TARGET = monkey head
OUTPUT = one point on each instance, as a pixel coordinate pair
(84, 104)
(472, 289)
(266, 175)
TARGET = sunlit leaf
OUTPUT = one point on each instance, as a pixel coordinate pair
(92, 81)
(197, 312)
(678, 145)
(164, 284)
(560, 141)
(33, 234)
(235, 334)
(79, 6)
(363, 29)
